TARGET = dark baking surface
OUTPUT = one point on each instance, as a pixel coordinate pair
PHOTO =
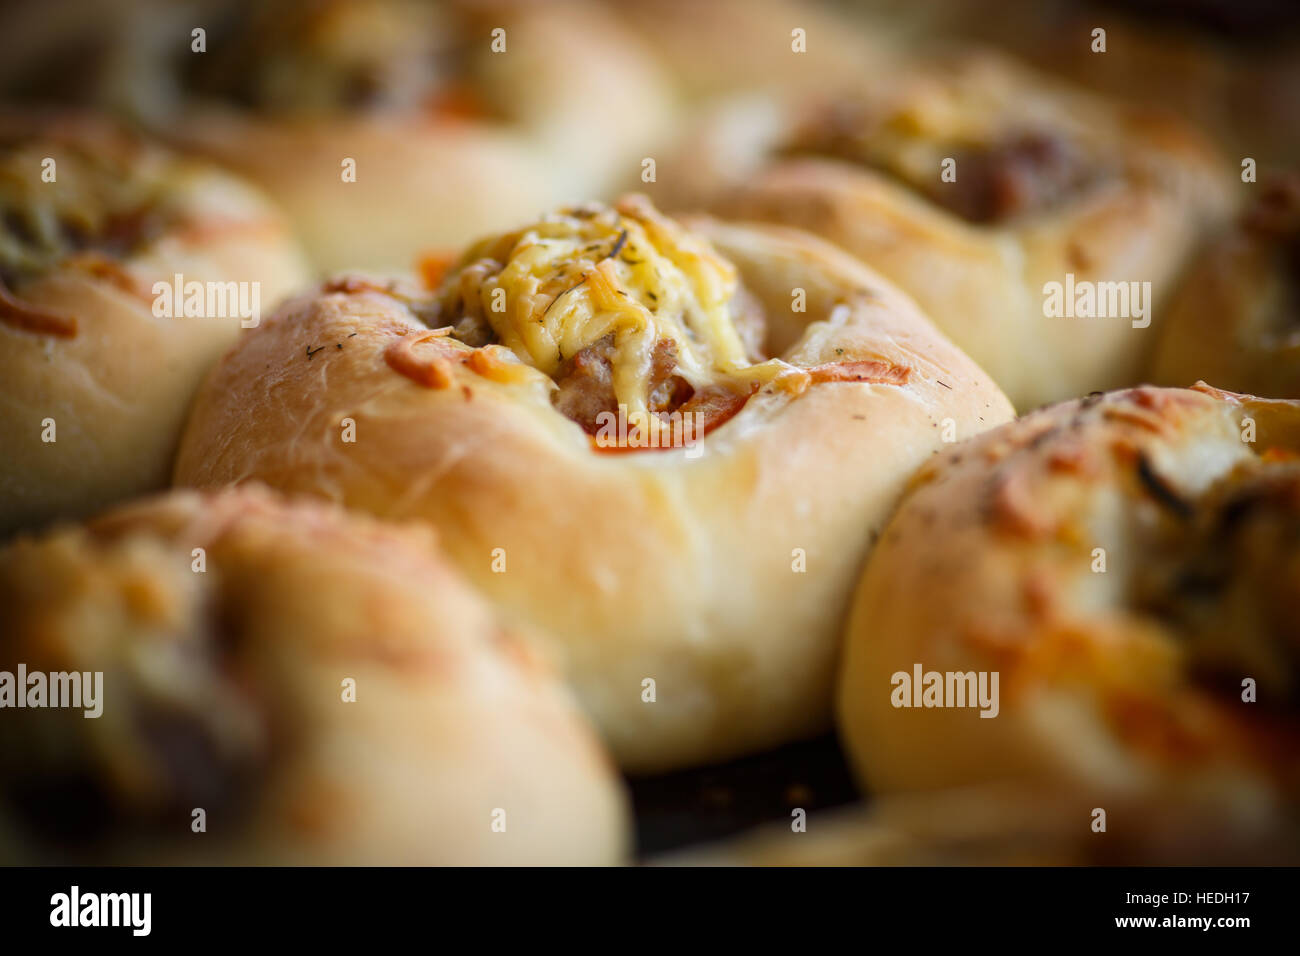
(1238, 19)
(677, 810)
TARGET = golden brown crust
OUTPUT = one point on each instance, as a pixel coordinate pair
(84, 359)
(223, 689)
(742, 46)
(686, 567)
(1100, 557)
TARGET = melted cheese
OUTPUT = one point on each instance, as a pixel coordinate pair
(564, 283)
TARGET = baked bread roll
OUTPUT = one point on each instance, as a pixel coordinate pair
(1050, 187)
(1234, 319)
(99, 355)
(1229, 67)
(458, 117)
(585, 407)
(1100, 597)
(224, 686)
(1003, 825)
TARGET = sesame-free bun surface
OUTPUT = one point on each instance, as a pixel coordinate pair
(745, 46)
(1049, 183)
(225, 685)
(1124, 564)
(84, 359)
(721, 577)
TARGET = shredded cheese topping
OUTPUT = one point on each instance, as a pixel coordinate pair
(583, 274)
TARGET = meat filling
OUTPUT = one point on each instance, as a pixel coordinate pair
(585, 383)
(1029, 173)
(1015, 173)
